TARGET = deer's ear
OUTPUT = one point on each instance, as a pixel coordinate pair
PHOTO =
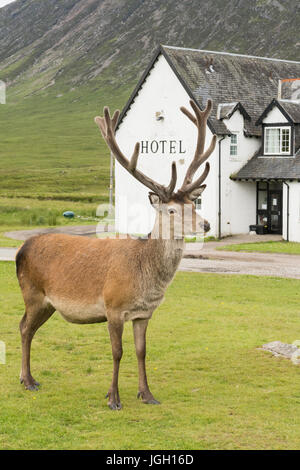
(154, 200)
(196, 193)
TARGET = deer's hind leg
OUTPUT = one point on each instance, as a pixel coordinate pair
(37, 312)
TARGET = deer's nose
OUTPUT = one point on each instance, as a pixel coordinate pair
(206, 226)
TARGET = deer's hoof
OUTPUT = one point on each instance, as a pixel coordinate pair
(148, 399)
(152, 402)
(115, 406)
(32, 388)
(113, 401)
(30, 384)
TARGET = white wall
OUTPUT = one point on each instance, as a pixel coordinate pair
(161, 91)
(294, 218)
(238, 197)
(274, 116)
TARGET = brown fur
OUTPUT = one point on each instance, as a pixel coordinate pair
(110, 266)
(75, 275)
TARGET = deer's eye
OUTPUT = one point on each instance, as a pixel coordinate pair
(171, 211)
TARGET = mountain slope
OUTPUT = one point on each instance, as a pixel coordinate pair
(68, 58)
(59, 45)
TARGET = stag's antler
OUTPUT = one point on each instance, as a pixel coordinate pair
(200, 120)
(107, 126)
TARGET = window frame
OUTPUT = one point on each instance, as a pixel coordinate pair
(234, 156)
(198, 202)
(280, 126)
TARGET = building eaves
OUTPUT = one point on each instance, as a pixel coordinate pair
(266, 168)
(226, 110)
(269, 108)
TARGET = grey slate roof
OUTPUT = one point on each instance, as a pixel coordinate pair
(249, 81)
(226, 109)
(252, 81)
(225, 78)
(292, 109)
(264, 168)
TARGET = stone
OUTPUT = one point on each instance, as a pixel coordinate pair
(277, 348)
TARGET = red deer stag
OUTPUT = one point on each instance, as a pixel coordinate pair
(113, 280)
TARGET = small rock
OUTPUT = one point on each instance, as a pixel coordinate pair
(277, 348)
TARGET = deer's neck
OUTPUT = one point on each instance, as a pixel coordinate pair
(172, 252)
(167, 255)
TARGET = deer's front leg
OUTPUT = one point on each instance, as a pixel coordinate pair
(115, 328)
(139, 331)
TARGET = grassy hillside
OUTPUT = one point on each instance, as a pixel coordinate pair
(47, 142)
(52, 150)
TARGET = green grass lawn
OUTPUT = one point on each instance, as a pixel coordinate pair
(29, 212)
(291, 248)
(217, 389)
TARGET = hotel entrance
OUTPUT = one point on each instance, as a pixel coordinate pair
(269, 206)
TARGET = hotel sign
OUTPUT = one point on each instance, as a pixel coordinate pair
(162, 146)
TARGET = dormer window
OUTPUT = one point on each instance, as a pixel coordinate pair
(277, 140)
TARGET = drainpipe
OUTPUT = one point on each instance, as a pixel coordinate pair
(220, 196)
(288, 211)
(111, 183)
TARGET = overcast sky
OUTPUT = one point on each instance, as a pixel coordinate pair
(5, 2)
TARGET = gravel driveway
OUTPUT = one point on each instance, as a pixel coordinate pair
(208, 259)
(258, 264)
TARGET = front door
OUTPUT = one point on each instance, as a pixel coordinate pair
(269, 206)
(275, 211)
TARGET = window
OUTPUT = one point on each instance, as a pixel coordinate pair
(198, 203)
(277, 140)
(233, 145)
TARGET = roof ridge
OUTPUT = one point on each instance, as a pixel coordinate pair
(231, 54)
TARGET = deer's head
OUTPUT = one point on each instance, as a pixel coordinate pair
(176, 212)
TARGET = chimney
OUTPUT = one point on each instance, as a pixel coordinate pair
(289, 89)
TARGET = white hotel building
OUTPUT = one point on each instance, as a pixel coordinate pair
(255, 168)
